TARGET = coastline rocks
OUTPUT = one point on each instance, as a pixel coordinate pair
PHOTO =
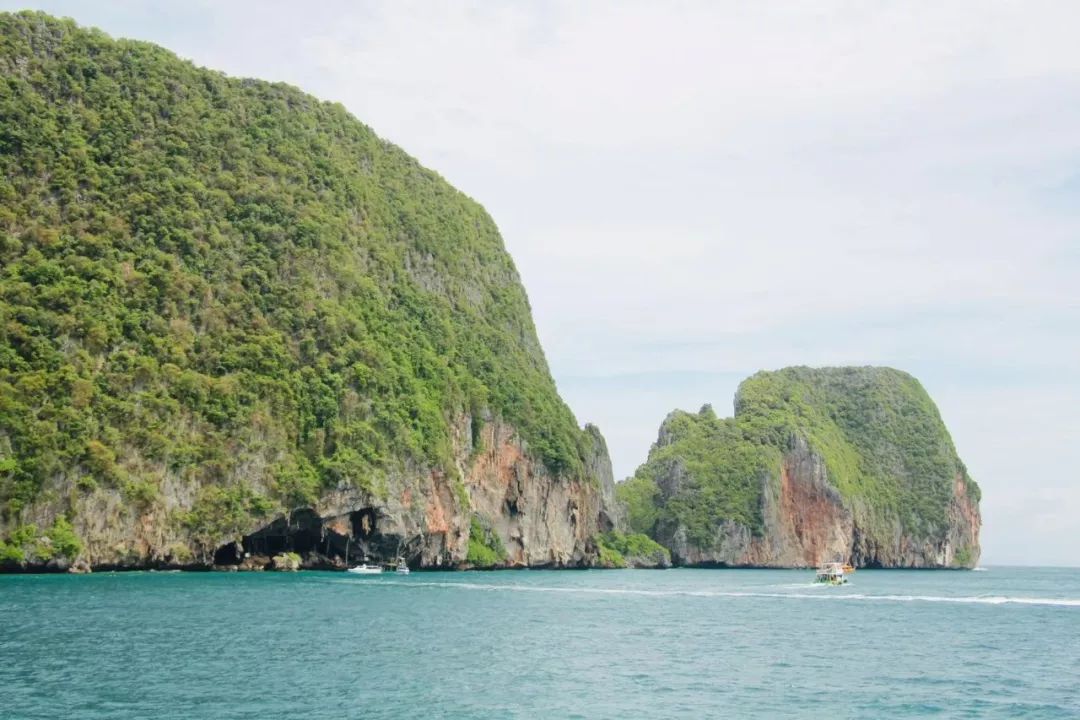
(658, 561)
(285, 562)
(422, 514)
(80, 567)
(57, 565)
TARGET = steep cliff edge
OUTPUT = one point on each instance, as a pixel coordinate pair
(236, 323)
(816, 464)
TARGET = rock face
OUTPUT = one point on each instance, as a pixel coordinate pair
(541, 520)
(285, 562)
(817, 465)
(235, 323)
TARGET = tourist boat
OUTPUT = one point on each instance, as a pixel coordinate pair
(365, 569)
(832, 574)
(402, 568)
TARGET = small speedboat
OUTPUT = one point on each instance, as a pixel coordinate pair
(402, 568)
(365, 569)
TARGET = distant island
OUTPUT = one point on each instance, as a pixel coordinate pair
(818, 464)
(238, 330)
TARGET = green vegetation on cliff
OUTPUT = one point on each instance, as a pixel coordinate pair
(884, 445)
(618, 549)
(485, 548)
(215, 281)
(641, 497)
(719, 474)
(30, 543)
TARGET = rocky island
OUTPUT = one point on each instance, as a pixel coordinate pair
(818, 464)
(235, 323)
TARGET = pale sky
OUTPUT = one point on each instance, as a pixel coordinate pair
(696, 191)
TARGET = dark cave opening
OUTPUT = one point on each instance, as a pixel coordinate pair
(229, 554)
(299, 532)
(335, 542)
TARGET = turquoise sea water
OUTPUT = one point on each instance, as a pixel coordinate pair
(591, 644)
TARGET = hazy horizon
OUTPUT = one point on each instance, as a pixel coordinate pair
(695, 193)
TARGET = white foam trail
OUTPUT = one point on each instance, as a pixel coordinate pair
(961, 599)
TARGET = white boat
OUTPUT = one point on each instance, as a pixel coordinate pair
(833, 574)
(365, 569)
(402, 568)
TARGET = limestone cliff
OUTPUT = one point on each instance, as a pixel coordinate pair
(235, 323)
(422, 515)
(817, 464)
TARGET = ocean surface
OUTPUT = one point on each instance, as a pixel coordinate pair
(551, 644)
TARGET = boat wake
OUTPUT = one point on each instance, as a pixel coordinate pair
(843, 597)
(800, 586)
